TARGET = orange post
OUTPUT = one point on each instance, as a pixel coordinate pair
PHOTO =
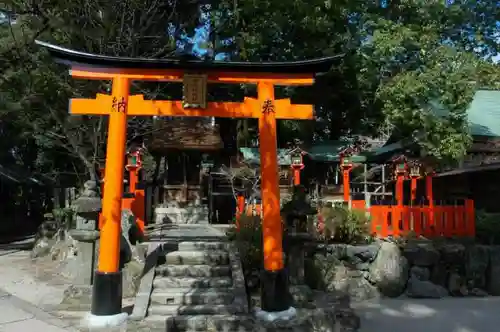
(133, 179)
(428, 188)
(107, 282)
(136, 203)
(384, 214)
(296, 176)
(413, 188)
(272, 237)
(430, 198)
(396, 215)
(470, 220)
(240, 200)
(274, 279)
(417, 220)
(139, 209)
(347, 185)
(399, 188)
(101, 218)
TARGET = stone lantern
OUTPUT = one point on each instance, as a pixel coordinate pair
(296, 239)
(86, 209)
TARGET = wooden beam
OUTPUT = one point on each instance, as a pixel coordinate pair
(140, 107)
(177, 76)
(101, 105)
(286, 110)
(137, 106)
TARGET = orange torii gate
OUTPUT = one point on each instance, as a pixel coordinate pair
(194, 74)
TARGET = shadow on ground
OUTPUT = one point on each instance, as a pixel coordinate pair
(440, 315)
(19, 243)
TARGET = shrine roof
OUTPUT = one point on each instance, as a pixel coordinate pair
(72, 57)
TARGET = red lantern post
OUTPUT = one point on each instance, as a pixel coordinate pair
(137, 201)
(297, 164)
(429, 174)
(240, 208)
(414, 176)
(134, 164)
(400, 169)
(346, 166)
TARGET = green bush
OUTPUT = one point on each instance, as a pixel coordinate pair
(248, 238)
(347, 226)
(487, 227)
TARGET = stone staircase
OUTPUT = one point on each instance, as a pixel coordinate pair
(195, 286)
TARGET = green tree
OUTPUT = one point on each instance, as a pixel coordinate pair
(34, 91)
(402, 59)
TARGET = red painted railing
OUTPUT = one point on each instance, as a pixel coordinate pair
(397, 220)
(438, 220)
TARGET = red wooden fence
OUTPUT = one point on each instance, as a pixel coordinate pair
(397, 220)
(438, 220)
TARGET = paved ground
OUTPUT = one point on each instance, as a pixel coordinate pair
(445, 315)
(18, 315)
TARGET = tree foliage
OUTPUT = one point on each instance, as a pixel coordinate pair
(403, 57)
(34, 91)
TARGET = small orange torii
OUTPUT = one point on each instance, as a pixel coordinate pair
(195, 74)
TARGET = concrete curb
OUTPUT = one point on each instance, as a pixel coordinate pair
(37, 313)
(141, 303)
(240, 293)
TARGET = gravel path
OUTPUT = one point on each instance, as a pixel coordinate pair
(424, 315)
(31, 282)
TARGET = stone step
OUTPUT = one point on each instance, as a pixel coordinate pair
(193, 271)
(216, 323)
(194, 309)
(197, 258)
(185, 210)
(200, 282)
(189, 296)
(202, 246)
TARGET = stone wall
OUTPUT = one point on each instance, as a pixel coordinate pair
(418, 268)
(196, 214)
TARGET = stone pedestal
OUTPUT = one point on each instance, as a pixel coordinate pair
(86, 257)
(297, 245)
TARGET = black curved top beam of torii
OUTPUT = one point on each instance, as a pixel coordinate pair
(72, 57)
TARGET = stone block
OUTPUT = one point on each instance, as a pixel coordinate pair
(178, 215)
(202, 246)
(189, 296)
(197, 258)
(202, 309)
(192, 271)
(240, 323)
(173, 282)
